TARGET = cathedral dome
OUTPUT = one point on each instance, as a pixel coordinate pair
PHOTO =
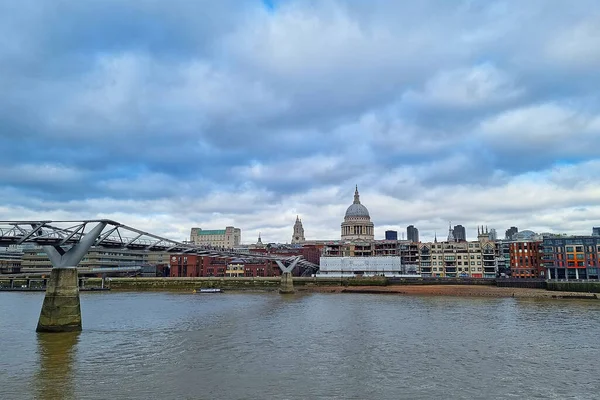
(357, 210)
(357, 223)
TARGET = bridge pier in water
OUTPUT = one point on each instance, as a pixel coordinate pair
(287, 282)
(61, 310)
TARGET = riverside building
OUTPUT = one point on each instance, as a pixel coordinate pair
(526, 259)
(389, 266)
(228, 237)
(571, 257)
(452, 259)
(101, 257)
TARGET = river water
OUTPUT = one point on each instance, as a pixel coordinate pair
(311, 346)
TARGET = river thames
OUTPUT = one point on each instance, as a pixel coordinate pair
(308, 346)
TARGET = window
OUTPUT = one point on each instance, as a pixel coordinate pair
(569, 249)
(472, 262)
(570, 256)
(579, 248)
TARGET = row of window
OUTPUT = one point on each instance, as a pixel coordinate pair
(459, 257)
(572, 249)
(441, 269)
(459, 263)
(440, 246)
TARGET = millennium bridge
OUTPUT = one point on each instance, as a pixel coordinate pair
(67, 242)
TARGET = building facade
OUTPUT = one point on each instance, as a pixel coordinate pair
(526, 259)
(226, 238)
(412, 234)
(390, 266)
(99, 257)
(476, 259)
(298, 234)
(10, 260)
(571, 257)
(192, 265)
(357, 223)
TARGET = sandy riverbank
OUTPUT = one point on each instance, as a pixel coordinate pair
(455, 290)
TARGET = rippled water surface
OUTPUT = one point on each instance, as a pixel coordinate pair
(330, 346)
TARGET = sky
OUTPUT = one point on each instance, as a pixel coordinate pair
(171, 115)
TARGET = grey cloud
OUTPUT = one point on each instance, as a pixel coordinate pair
(223, 113)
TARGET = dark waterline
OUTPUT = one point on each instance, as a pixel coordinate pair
(265, 346)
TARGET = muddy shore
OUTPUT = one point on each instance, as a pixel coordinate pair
(456, 290)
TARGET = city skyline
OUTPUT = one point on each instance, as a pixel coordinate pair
(224, 114)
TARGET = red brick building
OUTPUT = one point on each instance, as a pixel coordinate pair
(191, 265)
(526, 260)
(311, 253)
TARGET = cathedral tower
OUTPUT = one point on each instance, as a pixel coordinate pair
(298, 235)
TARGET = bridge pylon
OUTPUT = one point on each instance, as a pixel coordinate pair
(287, 282)
(61, 310)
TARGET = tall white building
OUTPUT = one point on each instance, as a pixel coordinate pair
(362, 266)
(228, 237)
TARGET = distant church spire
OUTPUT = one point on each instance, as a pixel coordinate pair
(434, 237)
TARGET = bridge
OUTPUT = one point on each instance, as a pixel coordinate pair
(67, 242)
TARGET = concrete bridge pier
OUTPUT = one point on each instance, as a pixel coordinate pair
(61, 310)
(287, 282)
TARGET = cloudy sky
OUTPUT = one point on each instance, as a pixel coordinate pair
(165, 115)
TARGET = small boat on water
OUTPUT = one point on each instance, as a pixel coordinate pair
(208, 290)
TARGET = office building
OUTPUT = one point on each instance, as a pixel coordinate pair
(412, 234)
(460, 233)
(391, 235)
(511, 232)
